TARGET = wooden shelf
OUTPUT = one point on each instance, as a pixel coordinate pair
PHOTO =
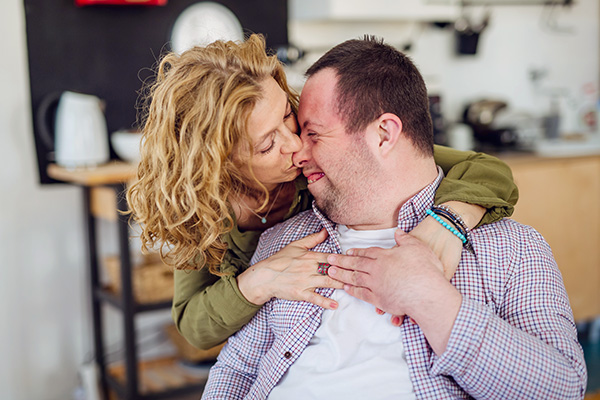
(161, 376)
(103, 201)
(108, 174)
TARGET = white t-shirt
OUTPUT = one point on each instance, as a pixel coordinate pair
(355, 353)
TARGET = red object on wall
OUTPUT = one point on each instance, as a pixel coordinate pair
(82, 3)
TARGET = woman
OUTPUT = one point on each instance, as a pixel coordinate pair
(217, 170)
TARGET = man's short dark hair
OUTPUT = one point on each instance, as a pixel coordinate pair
(375, 78)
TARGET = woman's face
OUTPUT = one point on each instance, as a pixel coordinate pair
(272, 127)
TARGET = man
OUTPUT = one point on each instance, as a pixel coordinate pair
(502, 329)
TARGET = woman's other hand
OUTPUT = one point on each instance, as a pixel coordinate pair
(444, 244)
(290, 274)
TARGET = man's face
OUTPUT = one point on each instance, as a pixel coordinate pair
(338, 165)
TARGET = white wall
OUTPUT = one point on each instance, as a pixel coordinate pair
(45, 328)
(43, 309)
(515, 42)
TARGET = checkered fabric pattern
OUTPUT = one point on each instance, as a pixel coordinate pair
(514, 336)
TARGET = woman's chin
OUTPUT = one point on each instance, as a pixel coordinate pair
(293, 174)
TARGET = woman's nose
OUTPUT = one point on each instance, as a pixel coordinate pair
(292, 143)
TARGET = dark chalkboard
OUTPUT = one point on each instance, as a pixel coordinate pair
(107, 50)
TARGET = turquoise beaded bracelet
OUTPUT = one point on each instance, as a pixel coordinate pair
(447, 226)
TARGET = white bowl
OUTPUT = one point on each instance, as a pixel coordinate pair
(127, 145)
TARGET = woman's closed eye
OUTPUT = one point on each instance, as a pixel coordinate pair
(289, 114)
(270, 146)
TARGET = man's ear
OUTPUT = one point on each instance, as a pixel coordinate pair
(389, 128)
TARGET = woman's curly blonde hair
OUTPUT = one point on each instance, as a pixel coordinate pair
(196, 114)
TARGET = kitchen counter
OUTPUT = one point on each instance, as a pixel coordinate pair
(583, 146)
(560, 196)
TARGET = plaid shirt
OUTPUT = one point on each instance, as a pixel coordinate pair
(514, 336)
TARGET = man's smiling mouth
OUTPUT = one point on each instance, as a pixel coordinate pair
(312, 178)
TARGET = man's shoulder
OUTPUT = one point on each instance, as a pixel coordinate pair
(505, 251)
(292, 229)
(275, 238)
(507, 228)
(508, 238)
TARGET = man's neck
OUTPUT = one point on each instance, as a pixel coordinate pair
(384, 207)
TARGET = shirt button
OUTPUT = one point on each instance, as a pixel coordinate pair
(287, 354)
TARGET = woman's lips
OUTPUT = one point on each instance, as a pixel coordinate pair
(312, 178)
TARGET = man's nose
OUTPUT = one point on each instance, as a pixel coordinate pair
(302, 156)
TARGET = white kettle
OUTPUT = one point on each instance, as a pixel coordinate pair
(80, 132)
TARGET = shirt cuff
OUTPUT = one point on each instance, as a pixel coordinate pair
(465, 340)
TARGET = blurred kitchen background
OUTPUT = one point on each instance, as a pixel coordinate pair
(516, 78)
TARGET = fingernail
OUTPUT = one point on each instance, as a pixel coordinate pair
(395, 321)
(332, 271)
(333, 306)
(350, 252)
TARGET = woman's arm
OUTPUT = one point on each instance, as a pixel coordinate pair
(479, 179)
(477, 186)
(207, 309)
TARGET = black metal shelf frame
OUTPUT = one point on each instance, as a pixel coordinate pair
(116, 301)
(124, 302)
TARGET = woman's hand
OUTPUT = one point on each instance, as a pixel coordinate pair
(290, 274)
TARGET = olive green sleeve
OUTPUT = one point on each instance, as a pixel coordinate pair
(476, 178)
(207, 309)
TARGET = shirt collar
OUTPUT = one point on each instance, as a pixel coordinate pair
(414, 209)
(411, 213)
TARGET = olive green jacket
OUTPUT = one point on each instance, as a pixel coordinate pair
(207, 309)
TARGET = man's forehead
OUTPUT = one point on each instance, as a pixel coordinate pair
(318, 100)
(322, 83)
(322, 119)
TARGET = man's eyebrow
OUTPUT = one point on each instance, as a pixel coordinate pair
(309, 122)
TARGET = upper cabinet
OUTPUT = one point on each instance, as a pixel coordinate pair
(396, 10)
(373, 10)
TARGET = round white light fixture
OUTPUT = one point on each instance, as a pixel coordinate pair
(203, 23)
